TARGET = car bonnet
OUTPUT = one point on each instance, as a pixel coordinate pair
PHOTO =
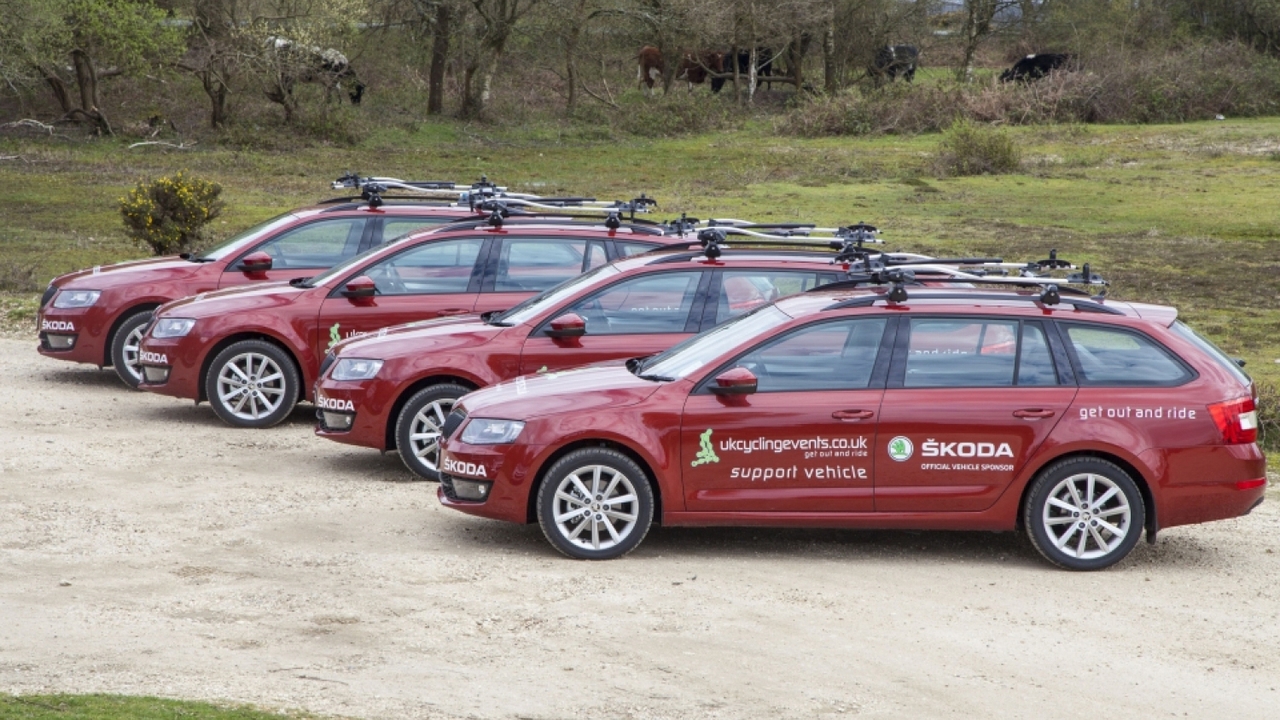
(582, 390)
(414, 339)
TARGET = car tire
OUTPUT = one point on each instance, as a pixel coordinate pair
(125, 345)
(252, 384)
(419, 424)
(595, 504)
(1084, 513)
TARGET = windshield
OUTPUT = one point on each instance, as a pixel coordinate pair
(252, 233)
(534, 306)
(690, 355)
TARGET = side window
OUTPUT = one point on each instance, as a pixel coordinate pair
(596, 255)
(1035, 362)
(393, 228)
(1109, 356)
(648, 304)
(836, 355)
(316, 245)
(443, 267)
(961, 353)
(743, 290)
(537, 264)
(627, 249)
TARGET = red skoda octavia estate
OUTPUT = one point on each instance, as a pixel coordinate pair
(1082, 421)
(97, 316)
(253, 353)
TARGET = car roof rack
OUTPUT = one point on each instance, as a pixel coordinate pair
(897, 274)
(475, 196)
(552, 220)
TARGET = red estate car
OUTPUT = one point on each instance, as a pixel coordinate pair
(395, 390)
(254, 352)
(97, 316)
(1081, 420)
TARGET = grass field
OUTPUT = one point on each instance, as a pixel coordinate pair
(111, 707)
(1180, 214)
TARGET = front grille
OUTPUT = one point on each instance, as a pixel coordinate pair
(452, 422)
(446, 482)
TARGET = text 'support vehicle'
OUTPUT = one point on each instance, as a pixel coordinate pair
(1082, 421)
(97, 316)
(254, 352)
(395, 389)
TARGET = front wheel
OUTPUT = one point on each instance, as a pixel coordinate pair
(1084, 513)
(252, 384)
(595, 504)
(124, 347)
(418, 428)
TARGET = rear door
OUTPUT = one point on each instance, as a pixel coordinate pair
(304, 250)
(969, 400)
(802, 442)
(522, 265)
(427, 280)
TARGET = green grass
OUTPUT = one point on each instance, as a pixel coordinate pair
(1178, 214)
(115, 707)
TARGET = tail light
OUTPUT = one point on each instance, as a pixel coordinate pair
(1237, 420)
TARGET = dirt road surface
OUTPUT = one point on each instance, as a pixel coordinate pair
(146, 548)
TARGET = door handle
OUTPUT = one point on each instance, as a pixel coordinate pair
(1033, 413)
(453, 311)
(852, 414)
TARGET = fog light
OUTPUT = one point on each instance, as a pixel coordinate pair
(60, 342)
(153, 375)
(471, 489)
(336, 421)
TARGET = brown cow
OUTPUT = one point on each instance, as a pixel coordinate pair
(696, 68)
(651, 67)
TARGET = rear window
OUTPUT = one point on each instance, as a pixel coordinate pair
(1212, 351)
(1112, 356)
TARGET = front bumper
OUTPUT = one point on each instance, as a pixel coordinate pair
(77, 335)
(170, 366)
(505, 472)
(354, 412)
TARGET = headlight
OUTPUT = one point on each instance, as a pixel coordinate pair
(76, 298)
(355, 369)
(172, 327)
(483, 431)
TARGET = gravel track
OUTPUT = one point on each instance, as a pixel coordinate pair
(146, 548)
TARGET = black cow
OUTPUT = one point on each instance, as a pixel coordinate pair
(764, 66)
(893, 60)
(1034, 67)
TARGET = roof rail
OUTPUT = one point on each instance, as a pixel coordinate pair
(497, 220)
(1085, 304)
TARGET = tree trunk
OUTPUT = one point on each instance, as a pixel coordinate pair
(59, 90)
(829, 82)
(87, 81)
(439, 58)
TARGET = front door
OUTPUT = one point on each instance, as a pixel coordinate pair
(969, 401)
(634, 317)
(425, 281)
(802, 442)
(303, 251)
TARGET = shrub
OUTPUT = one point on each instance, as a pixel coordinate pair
(167, 213)
(969, 149)
(17, 276)
(677, 113)
(1268, 415)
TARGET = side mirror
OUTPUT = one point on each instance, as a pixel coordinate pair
(567, 325)
(360, 287)
(738, 381)
(256, 262)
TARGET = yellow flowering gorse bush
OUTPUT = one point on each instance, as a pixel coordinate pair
(167, 213)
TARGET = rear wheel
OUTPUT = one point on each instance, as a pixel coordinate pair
(124, 347)
(418, 428)
(595, 504)
(252, 384)
(1084, 513)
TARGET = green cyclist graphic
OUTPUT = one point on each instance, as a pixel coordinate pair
(334, 337)
(707, 454)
